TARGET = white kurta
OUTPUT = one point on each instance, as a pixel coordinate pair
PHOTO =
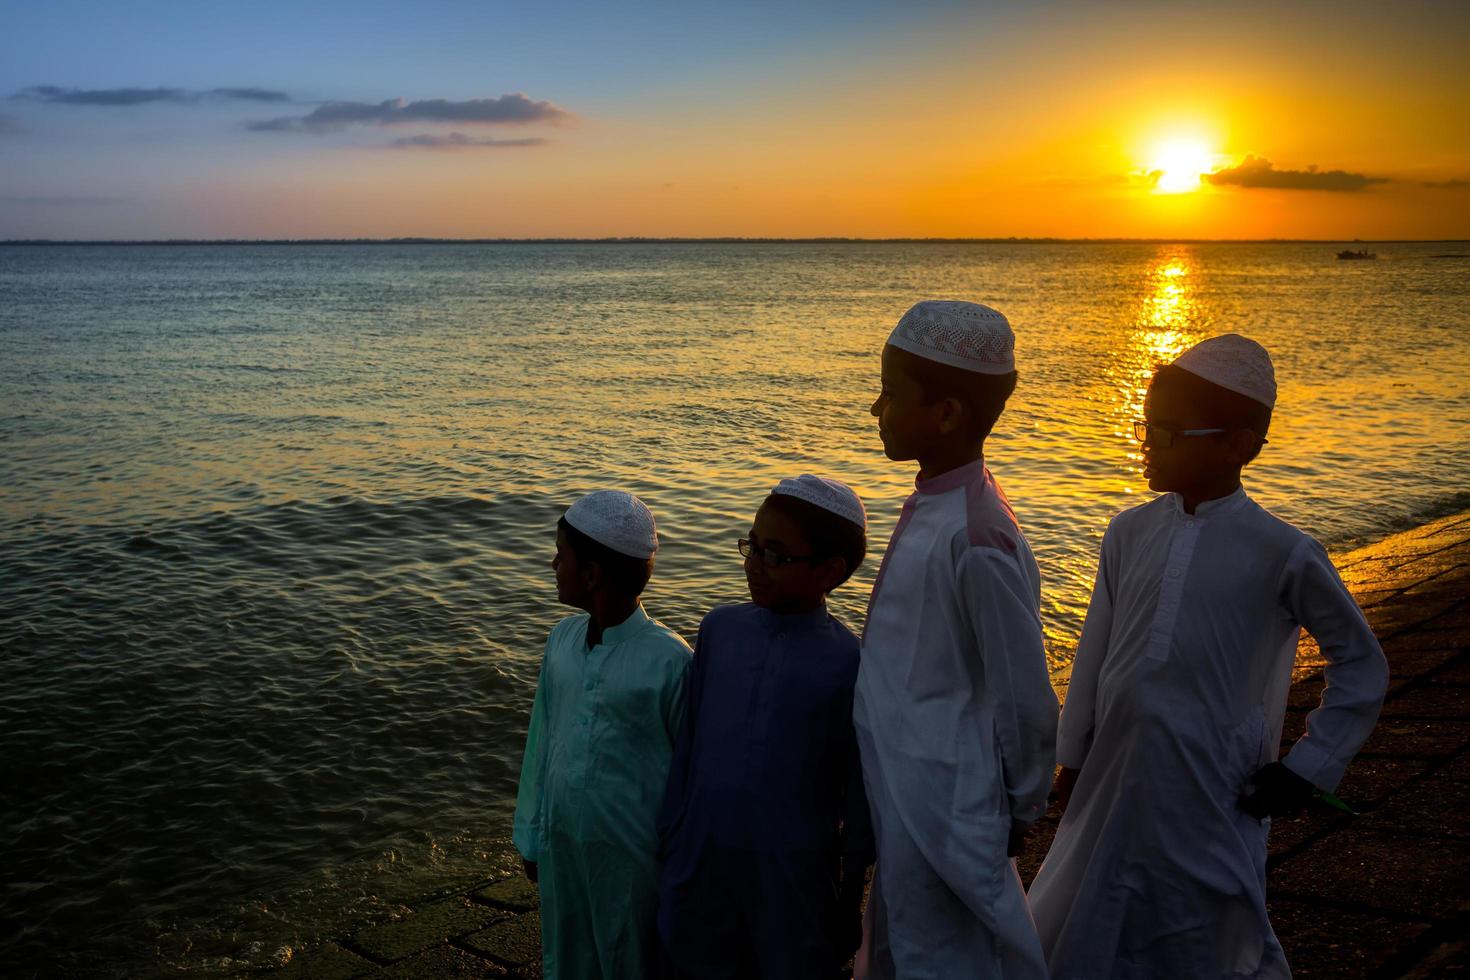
(1177, 697)
(956, 723)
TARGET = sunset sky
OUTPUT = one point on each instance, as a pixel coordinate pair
(472, 119)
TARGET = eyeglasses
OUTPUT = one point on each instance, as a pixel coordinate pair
(1157, 435)
(769, 557)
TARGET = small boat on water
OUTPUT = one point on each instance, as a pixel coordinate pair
(1348, 253)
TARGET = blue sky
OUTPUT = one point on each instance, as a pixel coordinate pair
(681, 118)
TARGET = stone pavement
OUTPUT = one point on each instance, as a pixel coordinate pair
(1384, 895)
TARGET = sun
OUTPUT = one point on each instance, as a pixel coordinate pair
(1179, 164)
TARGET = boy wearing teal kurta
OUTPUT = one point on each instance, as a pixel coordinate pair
(609, 703)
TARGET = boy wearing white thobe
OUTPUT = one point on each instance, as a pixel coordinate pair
(954, 710)
(1174, 712)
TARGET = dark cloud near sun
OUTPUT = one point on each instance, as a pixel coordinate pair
(337, 116)
(454, 141)
(1454, 183)
(1258, 172)
(142, 96)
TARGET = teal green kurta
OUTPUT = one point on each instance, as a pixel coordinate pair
(597, 758)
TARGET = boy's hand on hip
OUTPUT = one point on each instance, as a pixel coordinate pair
(1275, 791)
(1061, 790)
(531, 870)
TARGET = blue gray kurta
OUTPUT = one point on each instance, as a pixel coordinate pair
(765, 801)
(597, 758)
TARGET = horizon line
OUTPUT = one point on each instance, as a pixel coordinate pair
(732, 240)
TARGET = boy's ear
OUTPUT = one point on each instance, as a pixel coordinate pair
(1241, 446)
(832, 571)
(951, 414)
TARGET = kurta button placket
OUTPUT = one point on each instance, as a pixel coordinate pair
(1171, 589)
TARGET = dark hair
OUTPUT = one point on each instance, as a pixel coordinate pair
(1221, 406)
(829, 535)
(983, 396)
(627, 576)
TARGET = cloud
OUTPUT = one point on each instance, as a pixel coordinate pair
(140, 96)
(61, 200)
(456, 140)
(102, 96)
(251, 94)
(1256, 172)
(336, 116)
(1454, 183)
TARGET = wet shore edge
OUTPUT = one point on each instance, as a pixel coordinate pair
(1383, 894)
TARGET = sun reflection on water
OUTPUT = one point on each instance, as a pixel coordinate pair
(1171, 318)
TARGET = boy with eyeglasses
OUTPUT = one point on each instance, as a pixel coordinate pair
(1172, 726)
(954, 709)
(764, 830)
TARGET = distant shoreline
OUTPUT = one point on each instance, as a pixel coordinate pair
(734, 241)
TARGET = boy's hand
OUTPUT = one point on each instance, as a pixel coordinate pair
(1061, 790)
(850, 914)
(1017, 839)
(1275, 791)
(531, 870)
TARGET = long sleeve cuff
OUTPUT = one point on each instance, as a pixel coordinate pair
(1311, 763)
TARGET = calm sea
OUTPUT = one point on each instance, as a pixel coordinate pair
(276, 520)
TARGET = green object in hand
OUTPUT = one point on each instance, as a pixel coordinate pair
(1333, 801)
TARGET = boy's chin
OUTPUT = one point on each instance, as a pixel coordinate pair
(897, 455)
(1159, 483)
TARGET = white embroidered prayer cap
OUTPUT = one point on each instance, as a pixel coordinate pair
(830, 495)
(960, 334)
(616, 519)
(1235, 363)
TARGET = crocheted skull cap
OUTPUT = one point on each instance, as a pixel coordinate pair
(830, 495)
(1235, 363)
(617, 520)
(960, 334)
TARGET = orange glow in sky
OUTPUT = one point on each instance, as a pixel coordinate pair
(1333, 121)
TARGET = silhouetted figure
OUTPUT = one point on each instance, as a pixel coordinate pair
(764, 830)
(1174, 712)
(954, 709)
(609, 703)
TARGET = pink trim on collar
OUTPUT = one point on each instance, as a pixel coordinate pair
(953, 480)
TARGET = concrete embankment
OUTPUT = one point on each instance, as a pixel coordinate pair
(1385, 894)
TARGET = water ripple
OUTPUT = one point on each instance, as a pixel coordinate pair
(277, 521)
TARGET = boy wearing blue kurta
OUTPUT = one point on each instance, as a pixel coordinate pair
(764, 828)
(609, 704)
